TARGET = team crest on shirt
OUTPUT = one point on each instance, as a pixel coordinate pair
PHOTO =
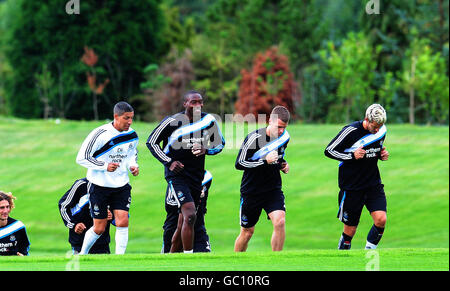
(12, 238)
(180, 196)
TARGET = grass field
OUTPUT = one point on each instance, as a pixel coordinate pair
(38, 166)
(301, 260)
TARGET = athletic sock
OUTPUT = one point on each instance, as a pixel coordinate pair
(89, 240)
(121, 240)
(345, 242)
(189, 252)
(374, 237)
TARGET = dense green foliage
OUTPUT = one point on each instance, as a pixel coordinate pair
(126, 35)
(342, 55)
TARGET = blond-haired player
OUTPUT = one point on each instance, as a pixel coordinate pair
(359, 147)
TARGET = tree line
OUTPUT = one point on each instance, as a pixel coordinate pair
(325, 60)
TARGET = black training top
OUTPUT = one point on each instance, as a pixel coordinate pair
(259, 176)
(13, 238)
(357, 174)
(178, 135)
(74, 208)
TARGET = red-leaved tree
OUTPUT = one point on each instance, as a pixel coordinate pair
(90, 58)
(269, 83)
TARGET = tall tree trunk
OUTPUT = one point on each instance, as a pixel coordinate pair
(411, 91)
(94, 105)
(222, 97)
(61, 92)
(441, 25)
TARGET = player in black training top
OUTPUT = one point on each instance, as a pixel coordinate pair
(75, 213)
(358, 147)
(186, 138)
(171, 224)
(262, 158)
(13, 235)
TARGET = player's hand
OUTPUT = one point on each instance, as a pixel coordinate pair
(112, 167)
(134, 170)
(360, 153)
(384, 154)
(79, 228)
(110, 216)
(272, 157)
(284, 167)
(198, 150)
(176, 167)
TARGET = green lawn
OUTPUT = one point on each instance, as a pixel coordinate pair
(38, 166)
(404, 259)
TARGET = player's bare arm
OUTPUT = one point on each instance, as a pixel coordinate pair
(285, 167)
(198, 150)
(272, 157)
(384, 154)
(134, 170)
(79, 228)
(112, 167)
(176, 166)
(359, 153)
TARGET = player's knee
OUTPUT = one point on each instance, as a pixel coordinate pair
(247, 233)
(380, 220)
(122, 223)
(280, 223)
(190, 219)
(99, 230)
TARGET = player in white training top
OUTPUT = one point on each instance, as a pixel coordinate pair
(109, 153)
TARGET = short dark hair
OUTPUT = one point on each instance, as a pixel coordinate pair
(122, 107)
(191, 92)
(281, 113)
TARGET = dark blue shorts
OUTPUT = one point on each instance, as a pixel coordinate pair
(252, 206)
(179, 192)
(101, 197)
(351, 203)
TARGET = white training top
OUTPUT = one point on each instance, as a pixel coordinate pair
(105, 145)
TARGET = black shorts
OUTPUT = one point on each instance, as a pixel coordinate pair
(179, 192)
(252, 205)
(351, 203)
(101, 197)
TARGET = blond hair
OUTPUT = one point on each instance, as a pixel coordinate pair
(376, 112)
(8, 197)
